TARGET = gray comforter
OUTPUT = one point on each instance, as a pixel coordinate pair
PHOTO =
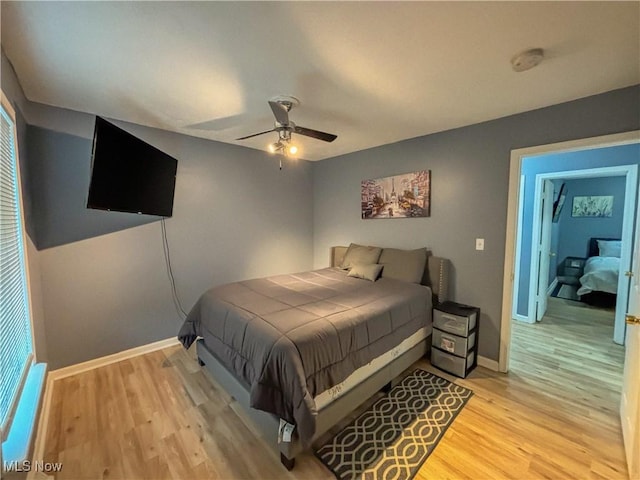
(291, 337)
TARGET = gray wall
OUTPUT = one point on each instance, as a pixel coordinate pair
(59, 182)
(236, 216)
(470, 171)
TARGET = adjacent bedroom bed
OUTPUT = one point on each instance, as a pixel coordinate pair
(300, 352)
(599, 282)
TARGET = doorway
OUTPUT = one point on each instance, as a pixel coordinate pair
(541, 236)
(514, 218)
(630, 395)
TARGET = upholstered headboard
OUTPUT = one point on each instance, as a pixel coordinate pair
(436, 272)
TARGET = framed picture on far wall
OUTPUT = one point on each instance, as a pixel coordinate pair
(594, 206)
(400, 196)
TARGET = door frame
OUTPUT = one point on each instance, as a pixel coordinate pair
(630, 172)
(518, 239)
(514, 200)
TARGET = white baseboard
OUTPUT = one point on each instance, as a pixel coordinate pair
(113, 358)
(53, 375)
(521, 318)
(488, 363)
(552, 287)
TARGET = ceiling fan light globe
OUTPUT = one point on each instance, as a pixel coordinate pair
(276, 147)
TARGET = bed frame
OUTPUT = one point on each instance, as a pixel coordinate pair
(436, 275)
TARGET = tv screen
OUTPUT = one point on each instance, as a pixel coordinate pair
(129, 175)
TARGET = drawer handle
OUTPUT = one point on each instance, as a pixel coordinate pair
(454, 325)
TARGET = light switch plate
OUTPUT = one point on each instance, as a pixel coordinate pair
(479, 243)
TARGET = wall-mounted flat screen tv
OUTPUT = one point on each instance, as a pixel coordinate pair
(128, 174)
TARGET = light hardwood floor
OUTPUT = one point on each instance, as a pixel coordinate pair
(555, 415)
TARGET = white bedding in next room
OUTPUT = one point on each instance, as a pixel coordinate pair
(600, 274)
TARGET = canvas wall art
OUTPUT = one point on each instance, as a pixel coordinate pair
(400, 196)
(595, 206)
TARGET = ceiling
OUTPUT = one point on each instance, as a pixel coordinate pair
(370, 72)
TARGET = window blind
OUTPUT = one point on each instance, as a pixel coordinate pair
(15, 325)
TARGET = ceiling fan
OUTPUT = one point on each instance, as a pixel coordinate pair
(281, 106)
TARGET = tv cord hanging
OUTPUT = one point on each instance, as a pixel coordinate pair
(167, 258)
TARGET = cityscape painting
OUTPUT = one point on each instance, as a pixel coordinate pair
(401, 196)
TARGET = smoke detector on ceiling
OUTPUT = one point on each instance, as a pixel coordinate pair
(527, 59)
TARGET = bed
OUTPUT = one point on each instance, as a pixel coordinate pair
(599, 282)
(300, 352)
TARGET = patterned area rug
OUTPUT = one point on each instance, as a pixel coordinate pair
(393, 438)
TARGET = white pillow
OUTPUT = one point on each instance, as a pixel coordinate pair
(610, 248)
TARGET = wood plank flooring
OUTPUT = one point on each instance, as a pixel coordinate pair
(159, 415)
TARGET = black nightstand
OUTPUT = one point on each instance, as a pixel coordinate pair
(570, 270)
(454, 340)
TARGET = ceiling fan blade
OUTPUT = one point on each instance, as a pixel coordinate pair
(280, 112)
(327, 137)
(256, 134)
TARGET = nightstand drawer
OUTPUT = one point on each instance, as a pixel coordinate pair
(450, 363)
(448, 342)
(449, 322)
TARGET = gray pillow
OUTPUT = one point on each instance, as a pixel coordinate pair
(360, 255)
(405, 265)
(369, 272)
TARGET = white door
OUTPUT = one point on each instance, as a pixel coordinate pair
(544, 248)
(630, 399)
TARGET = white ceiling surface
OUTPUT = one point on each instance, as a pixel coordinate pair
(371, 73)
